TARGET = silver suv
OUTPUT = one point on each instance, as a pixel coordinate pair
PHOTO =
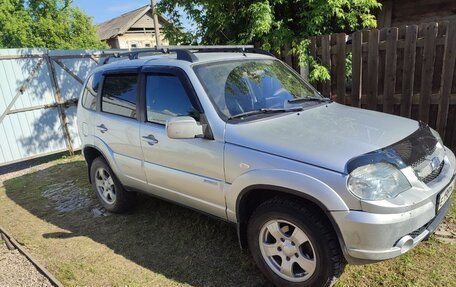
(235, 133)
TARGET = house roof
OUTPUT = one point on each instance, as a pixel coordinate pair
(120, 25)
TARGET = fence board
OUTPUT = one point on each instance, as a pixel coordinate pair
(357, 68)
(372, 81)
(390, 69)
(399, 65)
(287, 55)
(340, 67)
(408, 74)
(313, 47)
(333, 70)
(326, 61)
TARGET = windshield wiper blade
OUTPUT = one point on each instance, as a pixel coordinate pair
(309, 99)
(264, 111)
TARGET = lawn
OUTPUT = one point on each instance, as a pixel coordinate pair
(54, 213)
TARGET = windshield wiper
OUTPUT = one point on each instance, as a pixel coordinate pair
(264, 111)
(309, 99)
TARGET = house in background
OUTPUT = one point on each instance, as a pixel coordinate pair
(406, 12)
(132, 30)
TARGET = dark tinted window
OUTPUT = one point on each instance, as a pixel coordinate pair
(89, 98)
(119, 95)
(166, 97)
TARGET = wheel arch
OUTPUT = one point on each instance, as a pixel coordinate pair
(90, 153)
(251, 197)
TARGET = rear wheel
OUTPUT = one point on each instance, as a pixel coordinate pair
(293, 246)
(113, 197)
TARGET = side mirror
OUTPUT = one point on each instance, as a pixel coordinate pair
(183, 128)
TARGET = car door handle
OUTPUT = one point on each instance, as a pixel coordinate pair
(102, 128)
(150, 139)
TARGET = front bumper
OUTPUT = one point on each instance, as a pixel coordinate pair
(376, 236)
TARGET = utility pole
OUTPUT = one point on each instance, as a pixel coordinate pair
(156, 25)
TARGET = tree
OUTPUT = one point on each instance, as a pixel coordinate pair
(52, 24)
(271, 24)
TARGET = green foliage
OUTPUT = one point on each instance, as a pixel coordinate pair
(319, 73)
(52, 24)
(271, 24)
(349, 66)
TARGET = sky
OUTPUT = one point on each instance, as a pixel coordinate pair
(102, 10)
(108, 9)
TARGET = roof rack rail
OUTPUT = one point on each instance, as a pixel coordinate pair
(187, 53)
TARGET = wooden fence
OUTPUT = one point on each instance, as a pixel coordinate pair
(407, 71)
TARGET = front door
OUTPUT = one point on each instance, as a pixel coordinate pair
(189, 171)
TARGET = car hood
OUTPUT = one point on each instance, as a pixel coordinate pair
(327, 135)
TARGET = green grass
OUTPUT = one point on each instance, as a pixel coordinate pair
(162, 244)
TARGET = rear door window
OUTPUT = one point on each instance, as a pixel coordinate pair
(119, 95)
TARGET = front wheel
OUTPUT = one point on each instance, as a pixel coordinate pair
(293, 246)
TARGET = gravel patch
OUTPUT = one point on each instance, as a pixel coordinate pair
(17, 271)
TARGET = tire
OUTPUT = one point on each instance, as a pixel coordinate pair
(306, 254)
(110, 192)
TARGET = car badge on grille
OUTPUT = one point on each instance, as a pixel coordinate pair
(435, 163)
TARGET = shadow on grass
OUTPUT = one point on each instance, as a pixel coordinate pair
(173, 241)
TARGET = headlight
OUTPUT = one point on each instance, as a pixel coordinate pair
(377, 181)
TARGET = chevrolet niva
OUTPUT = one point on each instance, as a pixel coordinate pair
(235, 133)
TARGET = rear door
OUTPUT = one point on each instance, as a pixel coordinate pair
(189, 171)
(117, 126)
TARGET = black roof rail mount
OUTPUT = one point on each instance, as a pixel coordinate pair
(187, 53)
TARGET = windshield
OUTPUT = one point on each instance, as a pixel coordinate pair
(242, 87)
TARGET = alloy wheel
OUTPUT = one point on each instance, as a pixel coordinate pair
(287, 250)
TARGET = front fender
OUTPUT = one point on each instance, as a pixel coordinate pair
(300, 184)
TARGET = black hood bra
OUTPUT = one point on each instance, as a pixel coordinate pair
(410, 151)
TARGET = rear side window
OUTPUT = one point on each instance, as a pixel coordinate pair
(167, 97)
(89, 98)
(119, 95)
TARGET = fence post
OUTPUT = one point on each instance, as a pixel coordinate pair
(60, 104)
